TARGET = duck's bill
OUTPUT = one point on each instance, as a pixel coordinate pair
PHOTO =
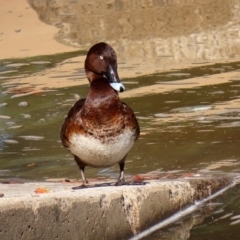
(118, 86)
(114, 80)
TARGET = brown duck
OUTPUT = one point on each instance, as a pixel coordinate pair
(100, 130)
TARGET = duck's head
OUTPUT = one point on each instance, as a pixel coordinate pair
(101, 60)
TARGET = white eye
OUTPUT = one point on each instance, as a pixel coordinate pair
(101, 57)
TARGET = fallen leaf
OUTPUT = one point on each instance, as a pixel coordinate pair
(139, 177)
(41, 190)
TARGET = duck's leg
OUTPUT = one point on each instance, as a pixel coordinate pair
(81, 167)
(121, 180)
(84, 180)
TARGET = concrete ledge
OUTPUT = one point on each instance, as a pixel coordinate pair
(95, 213)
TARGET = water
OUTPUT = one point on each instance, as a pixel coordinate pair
(200, 124)
(183, 83)
(218, 219)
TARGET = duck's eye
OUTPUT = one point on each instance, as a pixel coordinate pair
(101, 57)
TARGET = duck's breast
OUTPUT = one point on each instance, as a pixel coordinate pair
(97, 152)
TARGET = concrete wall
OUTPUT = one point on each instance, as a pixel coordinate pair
(94, 213)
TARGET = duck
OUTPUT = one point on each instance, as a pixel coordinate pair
(100, 129)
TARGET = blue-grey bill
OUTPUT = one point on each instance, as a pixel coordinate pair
(118, 86)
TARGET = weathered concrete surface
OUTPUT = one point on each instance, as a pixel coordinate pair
(95, 213)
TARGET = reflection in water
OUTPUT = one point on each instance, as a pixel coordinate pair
(149, 35)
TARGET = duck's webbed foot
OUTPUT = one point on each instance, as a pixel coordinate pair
(120, 182)
(84, 180)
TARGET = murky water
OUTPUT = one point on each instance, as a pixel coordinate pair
(186, 103)
(218, 219)
(201, 124)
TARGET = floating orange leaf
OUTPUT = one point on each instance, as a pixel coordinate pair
(41, 190)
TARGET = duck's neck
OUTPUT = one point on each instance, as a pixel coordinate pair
(101, 94)
(102, 102)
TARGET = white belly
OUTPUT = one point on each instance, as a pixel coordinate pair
(97, 154)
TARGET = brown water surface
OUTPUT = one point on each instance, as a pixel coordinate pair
(186, 124)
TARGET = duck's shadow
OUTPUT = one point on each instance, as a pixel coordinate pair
(110, 184)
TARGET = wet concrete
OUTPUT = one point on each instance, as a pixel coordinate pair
(96, 213)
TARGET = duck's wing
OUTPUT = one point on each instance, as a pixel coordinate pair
(131, 120)
(70, 117)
